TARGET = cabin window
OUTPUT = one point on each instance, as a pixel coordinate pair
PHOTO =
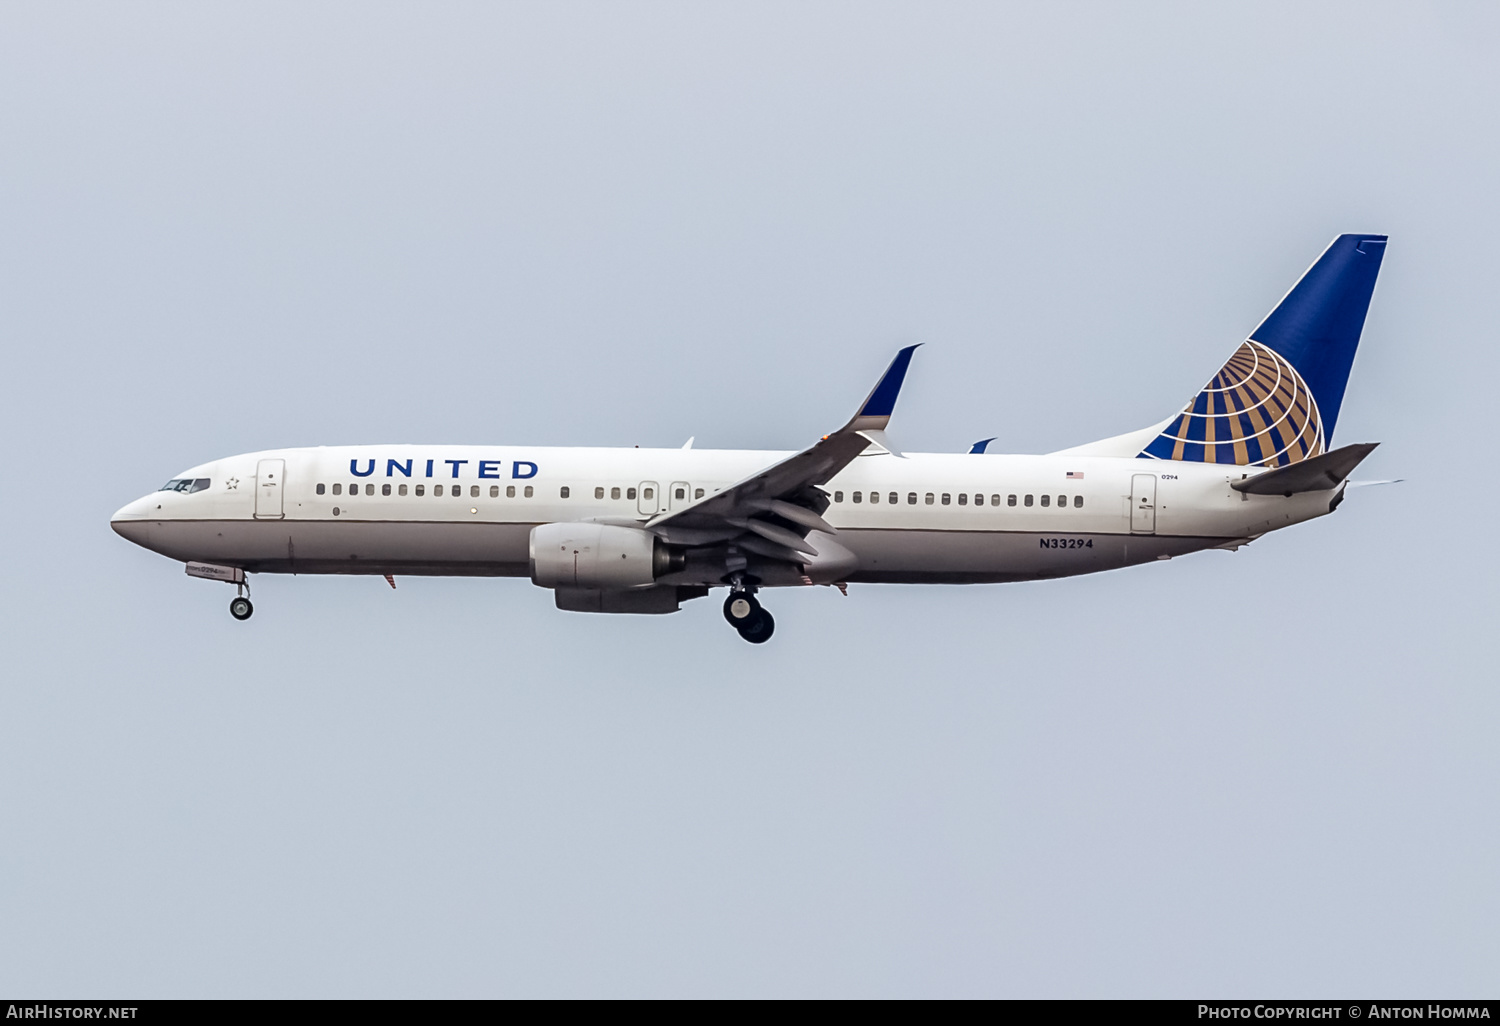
(437, 489)
(911, 498)
(528, 493)
(338, 489)
(614, 493)
(893, 498)
(963, 498)
(930, 498)
(494, 491)
(369, 489)
(354, 488)
(599, 492)
(979, 498)
(1028, 501)
(858, 497)
(630, 494)
(321, 489)
(874, 496)
(680, 493)
(646, 493)
(1046, 499)
(401, 489)
(510, 491)
(838, 496)
(421, 489)
(1010, 500)
(563, 492)
(697, 493)
(385, 489)
(1078, 502)
(995, 500)
(947, 499)
(1062, 501)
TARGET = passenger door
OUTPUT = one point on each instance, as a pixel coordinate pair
(268, 488)
(1143, 504)
(649, 499)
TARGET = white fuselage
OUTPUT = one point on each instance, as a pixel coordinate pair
(469, 510)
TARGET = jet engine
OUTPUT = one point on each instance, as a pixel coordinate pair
(604, 557)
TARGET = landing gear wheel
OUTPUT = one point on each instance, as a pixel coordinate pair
(740, 608)
(760, 628)
(241, 608)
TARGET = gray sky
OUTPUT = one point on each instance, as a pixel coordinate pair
(231, 228)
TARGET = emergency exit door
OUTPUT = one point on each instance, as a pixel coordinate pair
(268, 475)
(649, 499)
(1143, 504)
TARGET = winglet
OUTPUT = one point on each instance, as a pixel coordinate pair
(875, 413)
(978, 447)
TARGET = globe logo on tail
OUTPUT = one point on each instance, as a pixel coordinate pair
(1257, 411)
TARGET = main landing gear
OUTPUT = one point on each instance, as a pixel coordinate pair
(239, 606)
(746, 615)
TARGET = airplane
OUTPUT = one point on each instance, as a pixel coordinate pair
(630, 530)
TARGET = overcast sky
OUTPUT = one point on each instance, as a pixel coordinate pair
(227, 228)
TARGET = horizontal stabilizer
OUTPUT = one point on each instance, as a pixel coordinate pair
(1317, 474)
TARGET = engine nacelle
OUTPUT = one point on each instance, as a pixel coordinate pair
(605, 557)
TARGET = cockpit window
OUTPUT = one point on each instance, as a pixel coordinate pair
(186, 484)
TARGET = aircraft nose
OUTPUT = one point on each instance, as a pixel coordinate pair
(126, 519)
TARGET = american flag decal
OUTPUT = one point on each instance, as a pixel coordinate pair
(1075, 475)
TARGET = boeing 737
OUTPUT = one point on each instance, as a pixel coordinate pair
(628, 530)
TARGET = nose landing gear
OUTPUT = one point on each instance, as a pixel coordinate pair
(746, 615)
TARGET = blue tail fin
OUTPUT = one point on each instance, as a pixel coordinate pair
(1277, 399)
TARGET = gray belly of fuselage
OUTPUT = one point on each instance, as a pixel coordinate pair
(998, 557)
(502, 549)
(443, 549)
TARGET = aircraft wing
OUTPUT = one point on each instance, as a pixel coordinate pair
(772, 511)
